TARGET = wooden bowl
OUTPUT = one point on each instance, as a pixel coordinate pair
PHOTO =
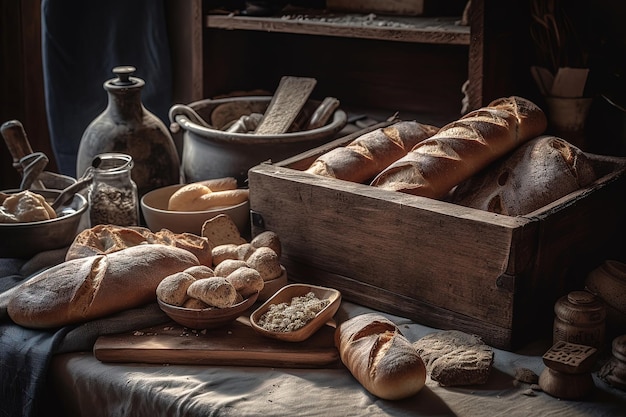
(206, 318)
(285, 295)
(273, 285)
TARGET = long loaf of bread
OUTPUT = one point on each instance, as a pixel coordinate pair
(83, 289)
(363, 158)
(380, 357)
(463, 148)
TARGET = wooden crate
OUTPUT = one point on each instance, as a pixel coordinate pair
(440, 264)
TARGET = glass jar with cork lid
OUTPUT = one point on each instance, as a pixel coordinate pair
(113, 195)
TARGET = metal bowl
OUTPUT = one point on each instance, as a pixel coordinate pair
(214, 153)
(23, 240)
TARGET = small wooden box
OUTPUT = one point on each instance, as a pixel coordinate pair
(440, 264)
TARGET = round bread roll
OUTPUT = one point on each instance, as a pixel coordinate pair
(195, 304)
(173, 288)
(223, 252)
(228, 266)
(214, 291)
(268, 239)
(244, 251)
(246, 281)
(266, 261)
(200, 272)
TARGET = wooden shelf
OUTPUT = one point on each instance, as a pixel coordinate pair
(429, 30)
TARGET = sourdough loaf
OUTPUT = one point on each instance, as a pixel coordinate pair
(536, 174)
(463, 148)
(84, 289)
(370, 153)
(380, 357)
(106, 239)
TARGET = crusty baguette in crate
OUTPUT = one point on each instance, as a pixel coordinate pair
(536, 174)
(463, 148)
(366, 156)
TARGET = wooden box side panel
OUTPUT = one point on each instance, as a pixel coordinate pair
(400, 304)
(392, 241)
(575, 235)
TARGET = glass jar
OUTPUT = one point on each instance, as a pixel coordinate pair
(113, 194)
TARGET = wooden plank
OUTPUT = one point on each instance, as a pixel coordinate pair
(403, 305)
(235, 344)
(401, 7)
(440, 30)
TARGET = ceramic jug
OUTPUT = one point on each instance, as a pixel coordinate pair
(127, 127)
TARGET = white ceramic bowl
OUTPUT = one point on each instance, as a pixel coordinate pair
(157, 216)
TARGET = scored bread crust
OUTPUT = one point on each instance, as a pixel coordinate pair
(463, 148)
(106, 239)
(536, 174)
(370, 153)
(380, 357)
(84, 289)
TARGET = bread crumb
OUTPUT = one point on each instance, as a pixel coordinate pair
(284, 317)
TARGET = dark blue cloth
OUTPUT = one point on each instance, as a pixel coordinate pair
(81, 43)
(25, 354)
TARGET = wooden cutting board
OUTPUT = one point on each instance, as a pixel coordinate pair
(233, 344)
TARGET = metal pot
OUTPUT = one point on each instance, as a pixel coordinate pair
(23, 240)
(209, 152)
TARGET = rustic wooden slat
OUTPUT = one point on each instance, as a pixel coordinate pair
(234, 344)
(440, 30)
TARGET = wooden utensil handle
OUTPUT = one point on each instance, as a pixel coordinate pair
(16, 140)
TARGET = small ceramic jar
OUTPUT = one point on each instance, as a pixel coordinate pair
(580, 318)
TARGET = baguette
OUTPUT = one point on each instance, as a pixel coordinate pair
(367, 155)
(84, 289)
(463, 148)
(380, 357)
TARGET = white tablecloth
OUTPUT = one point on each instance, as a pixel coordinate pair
(88, 387)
